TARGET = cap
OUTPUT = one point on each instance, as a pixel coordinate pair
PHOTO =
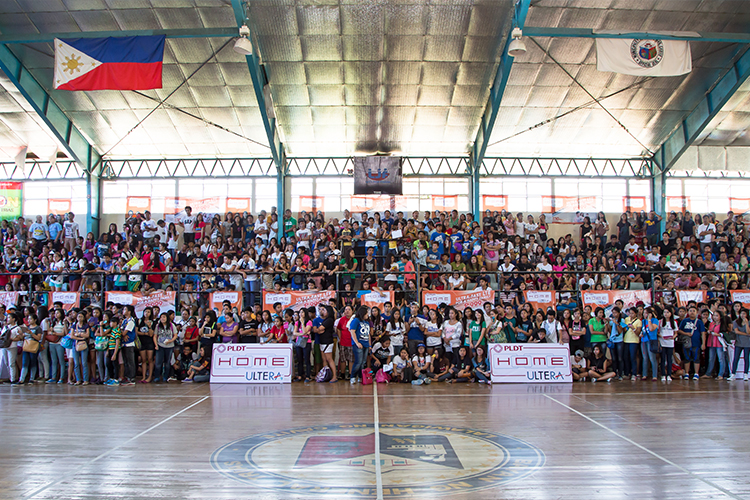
(579, 353)
(421, 345)
(414, 304)
(337, 252)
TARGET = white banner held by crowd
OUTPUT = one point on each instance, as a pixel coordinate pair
(643, 57)
(530, 363)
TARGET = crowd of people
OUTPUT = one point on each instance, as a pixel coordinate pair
(405, 341)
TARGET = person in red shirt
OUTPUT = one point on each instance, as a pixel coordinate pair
(346, 356)
(152, 262)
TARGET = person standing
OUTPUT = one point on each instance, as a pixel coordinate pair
(360, 330)
(742, 344)
(165, 335)
(71, 233)
(667, 330)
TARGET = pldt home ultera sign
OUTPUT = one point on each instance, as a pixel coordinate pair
(251, 364)
(530, 363)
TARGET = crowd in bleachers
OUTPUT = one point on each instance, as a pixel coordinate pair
(196, 254)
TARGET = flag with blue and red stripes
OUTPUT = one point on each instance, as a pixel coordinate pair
(115, 63)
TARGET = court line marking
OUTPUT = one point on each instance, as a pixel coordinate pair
(71, 475)
(643, 448)
(376, 422)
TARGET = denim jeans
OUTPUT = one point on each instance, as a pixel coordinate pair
(28, 363)
(81, 360)
(480, 376)
(713, 353)
(163, 356)
(631, 359)
(101, 365)
(303, 360)
(618, 358)
(666, 361)
(739, 351)
(43, 361)
(8, 357)
(360, 356)
(57, 362)
(648, 357)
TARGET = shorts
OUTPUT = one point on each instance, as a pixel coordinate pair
(327, 348)
(692, 354)
(346, 354)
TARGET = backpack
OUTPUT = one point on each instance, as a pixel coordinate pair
(366, 377)
(5, 338)
(382, 378)
(324, 375)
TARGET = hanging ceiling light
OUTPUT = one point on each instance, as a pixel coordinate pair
(517, 47)
(243, 45)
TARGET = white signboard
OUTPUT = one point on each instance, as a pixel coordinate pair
(530, 363)
(252, 364)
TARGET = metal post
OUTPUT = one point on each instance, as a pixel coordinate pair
(475, 196)
(94, 197)
(281, 199)
(658, 193)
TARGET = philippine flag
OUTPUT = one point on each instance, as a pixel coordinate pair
(125, 63)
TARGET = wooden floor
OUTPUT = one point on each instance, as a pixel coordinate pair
(685, 440)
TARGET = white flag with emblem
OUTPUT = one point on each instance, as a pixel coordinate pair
(71, 63)
(643, 57)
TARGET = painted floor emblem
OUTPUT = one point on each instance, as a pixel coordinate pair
(414, 459)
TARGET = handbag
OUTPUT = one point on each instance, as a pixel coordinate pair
(31, 345)
(50, 337)
(81, 345)
(687, 341)
(654, 346)
(67, 342)
(301, 341)
(101, 343)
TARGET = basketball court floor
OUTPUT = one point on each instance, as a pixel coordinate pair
(639, 440)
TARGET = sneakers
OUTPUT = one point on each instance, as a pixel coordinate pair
(746, 378)
(427, 381)
(352, 381)
(696, 377)
(419, 381)
(669, 379)
(686, 377)
(489, 383)
(481, 381)
(130, 382)
(187, 380)
(633, 378)
(172, 379)
(593, 380)
(85, 383)
(51, 381)
(664, 379)
(731, 377)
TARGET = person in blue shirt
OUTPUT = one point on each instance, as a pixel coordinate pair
(433, 257)
(416, 323)
(650, 331)
(616, 341)
(457, 243)
(360, 330)
(440, 237)
(55, 228)
(692, 327)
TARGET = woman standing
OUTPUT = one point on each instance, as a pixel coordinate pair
(632, 339)
(360, 330)
(80, 335)
(165, 335)
(434, 332)
(32, 337)
(617, 329)
(452, 332)
(58, 329)
(597, 325)
(476, 330)
(395, 329)
(101, 345)
(741, 328)
(325, 339)
(146, 337)
(667, 331)
(302, 345)
(228, 329)
(649, 334)
(712, 339)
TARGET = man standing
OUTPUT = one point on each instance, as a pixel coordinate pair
(187, 222)
(148, 228)
(290, 223)
(38, 233)
(70, 233)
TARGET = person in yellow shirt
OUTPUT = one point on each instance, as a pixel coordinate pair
(632, 342)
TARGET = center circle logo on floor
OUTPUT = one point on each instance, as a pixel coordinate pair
(415, 459)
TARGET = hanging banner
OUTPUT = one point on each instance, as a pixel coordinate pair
(238, 205)
(311, 204)
(742, 296)
(69, 300)
(643, 57)
(739, 205)
(11, 200)
(296, 300)
(541, 299)
(377, 175)
(9, 299)
(216, 300)
(165, 301)
(377, 299)
(459, 299)
(607, 299)
(633, 204)
(251, 364)
(530, 363)
(378, 203)
(59, 206)
(685, 296)
(138, 204)
(569, 209)
(678, 203)
(215, 205)
(442, 202)
(495, 203)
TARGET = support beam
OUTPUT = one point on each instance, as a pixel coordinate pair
(259, 79)
(173, 33)
(479, 148)
(70, 138)
(94, 197)
(589, 33)
(702, 113)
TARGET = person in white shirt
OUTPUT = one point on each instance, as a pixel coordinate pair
(148, 228)
(12, 332)
(71, 233)
(187, 222)
(544, 265)
(530, 227)
(674, 265)
(578, 365)
(653, 256)
(706, 230)
(520, 227)
(161, 232)
(551, 327)
(261, 227)
(586, 280)
(303, 235)
(632, 247)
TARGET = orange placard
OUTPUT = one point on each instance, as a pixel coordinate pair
(296, 300)
(138, 204)
(541, 299)
(555, 204)
(311, 203)
(444, 202)
(213, 205)
(377, 299)
(739, 205)
(742, 296)
(216, 299)
(685, 296)
(474, 299)
(495, 203)
(236, 205)
(59, 206)
(634, 204)
(9, 299)
(606, 299)
(377, 203)
(69, 300)
(678, 203)
(165, 301)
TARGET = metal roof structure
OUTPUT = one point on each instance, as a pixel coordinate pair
(409, 77)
